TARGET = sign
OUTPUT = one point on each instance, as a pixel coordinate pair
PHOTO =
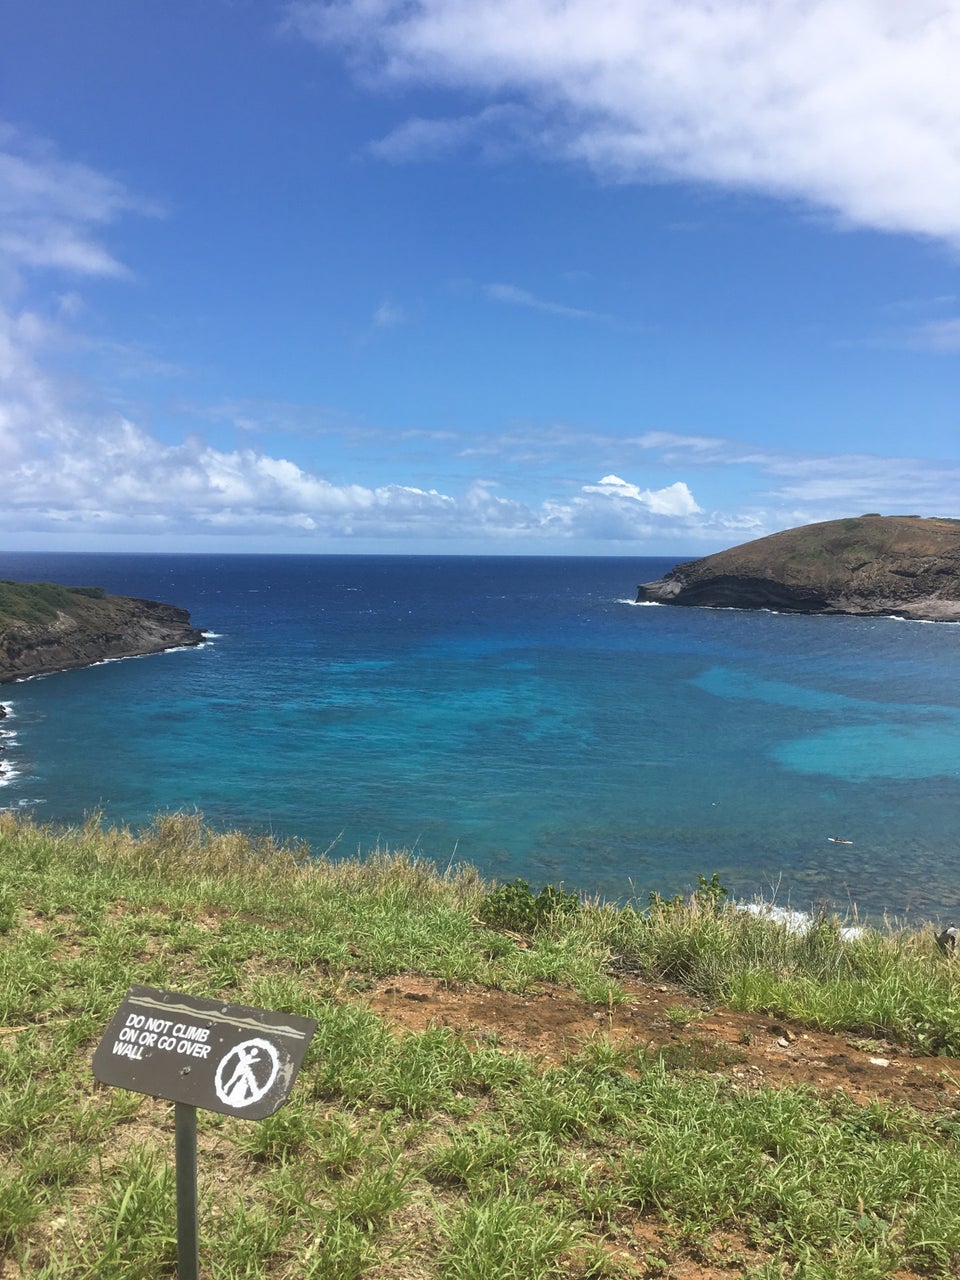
(204, 1053)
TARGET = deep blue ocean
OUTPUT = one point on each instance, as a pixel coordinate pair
(520, 714)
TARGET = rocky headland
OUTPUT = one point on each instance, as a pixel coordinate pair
(46, 628)
(869, 565)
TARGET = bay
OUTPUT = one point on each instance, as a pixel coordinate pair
(518, 713)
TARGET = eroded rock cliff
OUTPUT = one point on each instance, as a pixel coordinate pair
(870, 564)
(44, 628)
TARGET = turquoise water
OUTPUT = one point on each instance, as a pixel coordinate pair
(520, 714)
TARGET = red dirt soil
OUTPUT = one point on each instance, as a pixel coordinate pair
(758, 1050)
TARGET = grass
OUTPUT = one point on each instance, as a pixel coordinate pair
(428, 1156)
(38, 602)
(885, 983)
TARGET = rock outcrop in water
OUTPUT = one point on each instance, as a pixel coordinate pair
(45, 628)
(871, 564)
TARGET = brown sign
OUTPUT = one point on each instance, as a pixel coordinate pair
(206, 1053)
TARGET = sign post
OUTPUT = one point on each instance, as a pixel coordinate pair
(201, 1053)
(188, 1229)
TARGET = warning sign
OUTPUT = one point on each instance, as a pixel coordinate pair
(206, 1053)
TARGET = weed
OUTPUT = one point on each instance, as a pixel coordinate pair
(709, 894)
(694, 1054)
(378, 1190)
(19, 1206)
(477, 1157)
(339, 1250)
(501, 1238)
(681, 1016)
(8, 910)
(514, 906)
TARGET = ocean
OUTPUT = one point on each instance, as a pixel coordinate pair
(521, 714)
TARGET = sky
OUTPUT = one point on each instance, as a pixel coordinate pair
(574, 277)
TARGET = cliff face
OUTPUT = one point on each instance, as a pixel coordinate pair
(46, 628)
(869, 565)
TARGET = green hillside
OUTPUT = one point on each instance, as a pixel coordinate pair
(503, 1086)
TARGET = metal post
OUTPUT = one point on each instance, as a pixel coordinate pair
(188, 1237)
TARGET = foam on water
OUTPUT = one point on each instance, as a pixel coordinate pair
(136, 657)
(922, 622)
(794, 922)
(8, 737)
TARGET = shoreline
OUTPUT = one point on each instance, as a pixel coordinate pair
(46, 628)
(6, 773)
(81, 664)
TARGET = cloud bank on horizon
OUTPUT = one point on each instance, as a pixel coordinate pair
(838, 117)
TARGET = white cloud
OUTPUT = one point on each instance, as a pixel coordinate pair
(849, 484)
(848, 105)
(675, 500)
(111, 474)
(73, 472)
(388, 316)
(273, 417)
(50, 208)
(496, 132)
(937, 335)
(675, 447)
(907, 306)
(70, 305)
(617, 510)
(509, 293)
(27, 399)
(419, 139)
(825, 485)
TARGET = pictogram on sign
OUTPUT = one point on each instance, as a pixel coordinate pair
(246, 1073)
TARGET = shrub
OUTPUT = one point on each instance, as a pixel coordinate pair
(514, 906)
(709, 894)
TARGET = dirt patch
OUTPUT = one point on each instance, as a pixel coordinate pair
(749, 1048)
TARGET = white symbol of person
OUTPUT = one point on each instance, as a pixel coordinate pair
(245, 1085)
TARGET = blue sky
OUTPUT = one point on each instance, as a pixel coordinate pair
(645, 277)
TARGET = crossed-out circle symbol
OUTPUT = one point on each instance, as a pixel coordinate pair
(246, 1073)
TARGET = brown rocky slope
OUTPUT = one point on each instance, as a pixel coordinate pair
(874, 565)
(45, 628)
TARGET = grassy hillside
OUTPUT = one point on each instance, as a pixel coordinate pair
(443, 1152)
(868, 565)
(830, 554)
(39, 602)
